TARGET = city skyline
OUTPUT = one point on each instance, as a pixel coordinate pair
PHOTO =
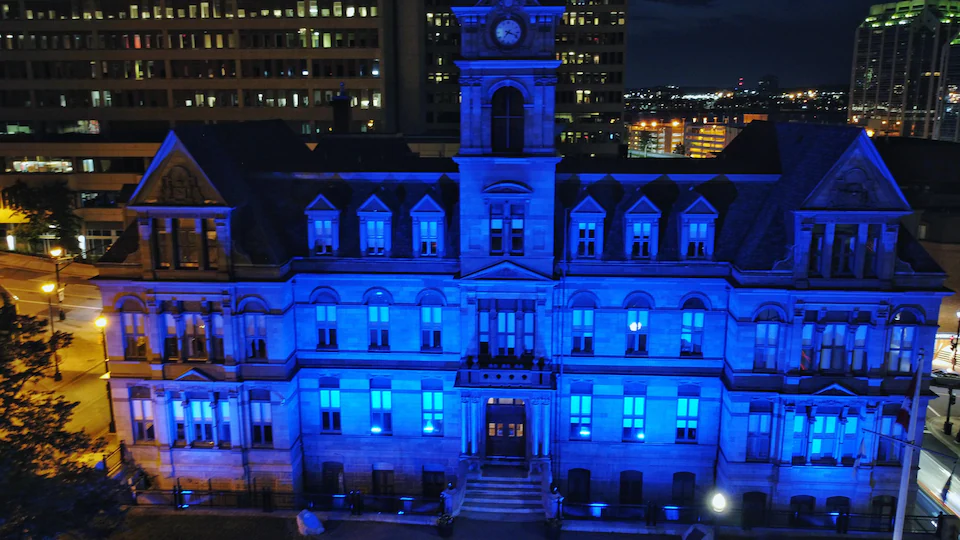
(748, 38)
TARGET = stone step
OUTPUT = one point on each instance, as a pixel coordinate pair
(502, 516)
(503, 482)
(515, 493)
(498, 508)
(500, 499)
(507, 488)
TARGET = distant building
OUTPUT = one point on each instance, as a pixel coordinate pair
(947, 126)
(899, 59)
(655, 137)
(360, 317)
(708, 139)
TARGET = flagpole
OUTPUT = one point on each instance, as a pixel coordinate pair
(907, 466)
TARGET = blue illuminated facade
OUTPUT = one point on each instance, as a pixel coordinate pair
(357, 317)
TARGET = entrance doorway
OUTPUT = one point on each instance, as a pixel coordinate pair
(505, 428)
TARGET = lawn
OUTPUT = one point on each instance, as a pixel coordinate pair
(142, 526)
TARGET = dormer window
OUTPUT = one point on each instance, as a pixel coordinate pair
(186, 243)
(642, 230)
(698, 231)
(375, 227)
(428, 221)
(587, 229)
(846, 250)
(324, 227)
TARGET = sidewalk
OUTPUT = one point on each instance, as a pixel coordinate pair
(934, 426)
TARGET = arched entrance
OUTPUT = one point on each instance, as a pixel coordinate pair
(506, 434)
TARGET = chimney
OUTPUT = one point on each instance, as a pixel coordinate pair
(341, 112)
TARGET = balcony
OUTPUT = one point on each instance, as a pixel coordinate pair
(505, 372)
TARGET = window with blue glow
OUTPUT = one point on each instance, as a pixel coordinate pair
(903, 331)
(194, 336)
(255, 335)
(583, 331)
(142, 410)
(587, 240)
(758, 431)
(638, 326)
(767, 340)
(378, 326)
(581, 412)
(381, 407)
(633, 418)
(376, 237)
(431, 324)
(833, 348)
(888, 450)
(697, 246)
(823, 437)
(432, 409)
(201, 418)
(688, 413)
(261, 420)
(691, 328)
(323, 237)
(330, 405)
(327, 326)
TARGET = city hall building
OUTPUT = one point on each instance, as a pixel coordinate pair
(359, 317)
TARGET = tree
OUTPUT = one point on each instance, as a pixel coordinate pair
(645, 141)
(46, 487)
(47, 208)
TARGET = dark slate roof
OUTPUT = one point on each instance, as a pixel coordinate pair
(373, 153)
(127, 245)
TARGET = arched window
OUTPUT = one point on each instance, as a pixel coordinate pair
(326, 307)
(507, 120)
(255, 330)
(767, 340)
(131, 324)
(903, 335)
(431, 322)
(802, 508)
(583, 307)
(691, 331)
(638, 325)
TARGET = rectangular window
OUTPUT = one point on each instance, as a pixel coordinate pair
(506, 229)
(179, 420)
(188, 244)
(888, 451)
(758, 435)
(850, 441)
(255, 335)
(800, 424)
(330, 406)
(516, 229)
(211, 244)
(581, 414)
(858, 358)
(496, 229)
(216, 336)
(833, 349)
(844, 250)
(582, 331)
(381, 412)
(142, 405)
(432, 413)
(586, 240)
(824, 438)
(134, 338)
(201, 418)
(506, 328)
(378, 324)
(223, 424)
(765, 346)
(816, 250)
(429, 238)
(164, 243)
(506, 332)
(900, 352)
(323, 237)
(697, 241)
(194, 336)
(633, 418)
(871, 261)
(326, 327)
(430, 327)
(688, 411)
(637, 331)
(641, 243)
(171, 341)
(807, 346)
(261, 423)
(376, 237)
(691, 334)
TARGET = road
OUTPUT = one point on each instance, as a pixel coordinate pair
(81, 364)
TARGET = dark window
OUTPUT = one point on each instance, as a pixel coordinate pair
(508, 119)
(434, 482)
(631, 487)
(383, 483)
(684, 488)
(329, 405)
(578, 486)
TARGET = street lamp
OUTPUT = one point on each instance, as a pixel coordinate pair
(956, 342)
(101, 323)
(56, 253)
(48, 288)
(718, 505)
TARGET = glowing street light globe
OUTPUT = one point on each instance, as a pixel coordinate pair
(56, 252)
(718, 503)
(48, 287)
(100, 322)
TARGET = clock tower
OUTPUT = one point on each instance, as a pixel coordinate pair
(507, 155)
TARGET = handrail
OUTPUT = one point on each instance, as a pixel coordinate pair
(455, 500)
(546, 497)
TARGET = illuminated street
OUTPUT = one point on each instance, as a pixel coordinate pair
(82, 363)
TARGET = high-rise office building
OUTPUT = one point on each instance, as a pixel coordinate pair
(591, 48)
(132, 68)
(897, 76)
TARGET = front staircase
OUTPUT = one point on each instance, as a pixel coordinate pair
(503, 494)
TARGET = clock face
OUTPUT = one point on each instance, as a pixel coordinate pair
(508, 32)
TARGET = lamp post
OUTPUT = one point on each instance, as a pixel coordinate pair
(48, 288)
(956, 342)
(718, 505)
(56, 253)
(101, 323)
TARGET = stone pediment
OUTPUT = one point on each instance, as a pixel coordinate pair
(321, 204)
(427, 206)
(175, 179)
(508, 187)
(195, 375)
(859, 181)
(374, 205)
(506, 270)
(644, 207)
(701, 207)
(587, 207)
(834, 389)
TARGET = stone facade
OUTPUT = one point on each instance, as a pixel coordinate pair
(651, 331)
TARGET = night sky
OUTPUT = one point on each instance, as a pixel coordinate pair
(714, 42)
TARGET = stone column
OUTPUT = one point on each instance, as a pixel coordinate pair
(841, 432)
(161, 419)
(533, 413)
(237, 419)
(811, 418)
(474, 424)
(464, 424)
(547, 415)
(826, 260)
(786, 447)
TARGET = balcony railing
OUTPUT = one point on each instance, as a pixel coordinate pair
(505, 372)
